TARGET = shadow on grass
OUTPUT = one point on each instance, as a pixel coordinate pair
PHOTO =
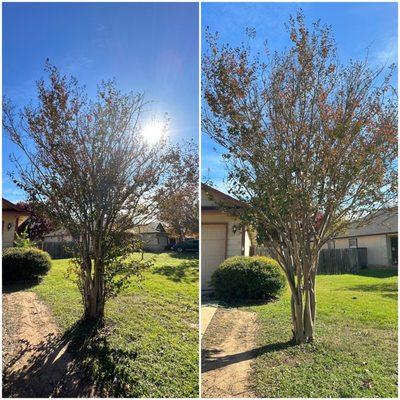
(18, 286)
(211, 359)
(239, 303)
(388, 289)
(193, 255)
(378, 272)
(59, 366)
(186, 271)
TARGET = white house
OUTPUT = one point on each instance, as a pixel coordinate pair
(379, 236)
(153, 236)
(12, 217)
(221, 234)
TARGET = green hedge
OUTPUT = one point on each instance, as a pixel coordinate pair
(24, 264)
(248, 278)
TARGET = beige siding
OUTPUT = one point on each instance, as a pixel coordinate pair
(57, 238)
(377, 248)
(8, 234)
(205, 200)
(154, 241)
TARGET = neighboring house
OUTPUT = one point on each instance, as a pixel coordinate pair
(221, 234)
(153, 236)
(12, 216)
(59, 235)
(379, 236)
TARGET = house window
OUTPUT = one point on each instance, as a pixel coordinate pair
(353, 243)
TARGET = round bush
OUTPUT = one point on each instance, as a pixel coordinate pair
(24, 264)
(248, 278)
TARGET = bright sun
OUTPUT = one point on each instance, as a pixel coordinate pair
(153, 132)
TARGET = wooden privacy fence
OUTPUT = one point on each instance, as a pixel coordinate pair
(331, 261)
(56, 249)
(262, 251)
(342, 261)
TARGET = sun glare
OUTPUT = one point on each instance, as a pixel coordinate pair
(153, 132)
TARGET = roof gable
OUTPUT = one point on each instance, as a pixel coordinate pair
(8, 206)
(210, 197)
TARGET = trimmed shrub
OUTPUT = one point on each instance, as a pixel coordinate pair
(248, 278)
(24, 264)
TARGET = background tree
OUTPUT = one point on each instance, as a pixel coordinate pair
(178, 200)
(310, 146)
(91, 171)
(37, 225)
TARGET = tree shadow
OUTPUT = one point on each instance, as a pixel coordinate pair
(187, 271)
(210, 359)
(47, 369)
(193, 255)
(19, 286)
(378, 272)
(244, 303)
(59, 366)
(383, 288)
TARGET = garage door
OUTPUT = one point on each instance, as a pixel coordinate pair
(213, 245)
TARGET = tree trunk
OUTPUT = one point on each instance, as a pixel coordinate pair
(303, 311)
(94, 294)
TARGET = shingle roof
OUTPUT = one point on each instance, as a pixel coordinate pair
(8, 206)
(382, 223)
(213, 193)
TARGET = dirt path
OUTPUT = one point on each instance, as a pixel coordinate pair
(228, 347)
(36, 360)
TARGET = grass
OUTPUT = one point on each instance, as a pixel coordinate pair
(355, 351)
(149, 345)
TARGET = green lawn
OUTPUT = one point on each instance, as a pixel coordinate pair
(355, 351)
(149, 345)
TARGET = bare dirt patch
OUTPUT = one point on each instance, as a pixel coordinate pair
(36, 360)
(228, 348)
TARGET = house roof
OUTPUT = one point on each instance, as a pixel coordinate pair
(8, 206)
(151, 227)
(57, 232)
(217, 195)
(383, 222)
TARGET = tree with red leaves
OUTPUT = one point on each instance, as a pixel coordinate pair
(37, 225)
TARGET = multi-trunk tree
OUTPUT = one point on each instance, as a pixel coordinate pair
(92, 172)
(310, 146)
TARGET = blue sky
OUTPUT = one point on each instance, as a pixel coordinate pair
(149, 47)
(356, 27)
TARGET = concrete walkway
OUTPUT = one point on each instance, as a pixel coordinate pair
(207, 312)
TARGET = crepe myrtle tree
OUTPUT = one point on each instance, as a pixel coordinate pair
(91, 172)
(178, 199)
(310, 146)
